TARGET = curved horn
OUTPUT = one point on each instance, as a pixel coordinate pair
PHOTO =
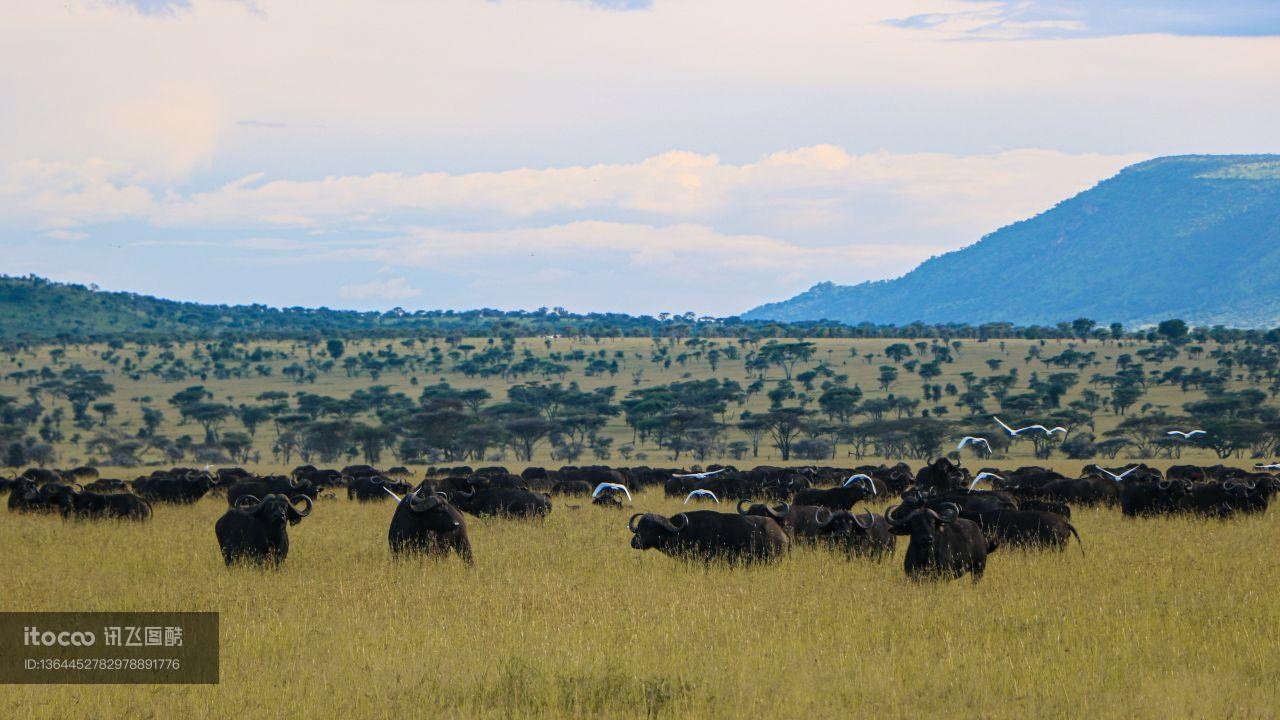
(891, 515)
(779, 512)
(631, 524)
(823, 518)
(295, 483)
(1229, 486)
(740, 510)
(683, 524)
(1164, 484)
(304, 499)
(423, 504)
(252, 500)
(871, 519)
(949, 512)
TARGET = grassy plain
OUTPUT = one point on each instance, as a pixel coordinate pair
(1160, 618)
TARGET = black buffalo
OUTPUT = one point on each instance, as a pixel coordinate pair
(707, 534)
(837, 498)
(258, 530)
(294, 488)
(182, 490)
(427, 524)
(374, 488)
(1028, 528)
(943, 545)
(502, 501)
(87, 504)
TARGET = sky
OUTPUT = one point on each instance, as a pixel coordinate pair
(639, 156)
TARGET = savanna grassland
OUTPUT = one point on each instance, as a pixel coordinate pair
(1159, 618)
(1168, 617)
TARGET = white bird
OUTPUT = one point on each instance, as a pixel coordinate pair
(701, 475)
(870, 483)
(701, 493)
(1019, 431)
(969, 439)
(1186, 435)
(1119, 477)
(611, 486)
(397, 497)
(983, 476)
(1272, 466)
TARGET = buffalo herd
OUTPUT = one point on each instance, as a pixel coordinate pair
(951, 522)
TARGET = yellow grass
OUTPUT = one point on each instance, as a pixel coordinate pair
(1162, 618)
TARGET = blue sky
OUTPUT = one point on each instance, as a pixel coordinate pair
(703, 155)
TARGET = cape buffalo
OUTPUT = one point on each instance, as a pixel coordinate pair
(272, 485)
(502, 501)
(171, 489)
(428, 524)
(1028, 528)
(943, 545)
(374, 488)
(838, 498)
(123, 506)
(257, 530)
(707, 534)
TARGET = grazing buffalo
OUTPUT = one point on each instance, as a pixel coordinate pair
(1028, 528)
(182, 490)
(86, 504)
(502, 501)
(375, 488)
(427, 524)
(1059, 508)
(258, 530)
(571, 487)
(837, 498)
(294, 488)
(943, 545)
(107, 485)
(707, 534)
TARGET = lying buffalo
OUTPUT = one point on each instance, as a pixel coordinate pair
(427, 524)
(943, 545)
(707, 534)
(87, 504)
(502, 501)
(257, 530)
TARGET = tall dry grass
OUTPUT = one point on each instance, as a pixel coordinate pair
(1161, 618)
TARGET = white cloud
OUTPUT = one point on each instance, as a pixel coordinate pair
(393, 289)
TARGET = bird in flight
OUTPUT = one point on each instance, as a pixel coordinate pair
(701, 493)
(1041, 428)
(970, 440)
(870, 483)
(983, 476)
(1119, 477)
(1272, 466)
(611, 486)
(397, 497)
(1186, 435)
(701, 475)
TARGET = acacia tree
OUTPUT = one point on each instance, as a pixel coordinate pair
(784, 425)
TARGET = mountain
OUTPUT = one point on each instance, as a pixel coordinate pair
(1194, 237)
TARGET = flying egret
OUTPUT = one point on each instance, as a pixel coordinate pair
(983, 476)
(1119, 477)
(701, 475)
(701, 493)
(397, 497)
(859, 476)
(1186, 435)
(971, 440)
(1272, 466)
(1019, 431)
(611, 486)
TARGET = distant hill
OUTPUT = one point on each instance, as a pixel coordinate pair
(1195, 237)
